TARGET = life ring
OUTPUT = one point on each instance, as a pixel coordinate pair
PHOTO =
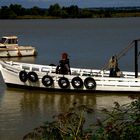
(47, 80)
(89, 83)
(63, 82)
(77, 82)
(32, 76)
(23, 76)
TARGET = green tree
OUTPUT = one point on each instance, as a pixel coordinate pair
(86, 14)
(17, 9)
(54, 10)
(73, 11)
(7, 13)
(35, 10)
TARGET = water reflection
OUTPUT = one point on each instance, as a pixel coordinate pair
(34, 101)
(22, 110)
(39, 101)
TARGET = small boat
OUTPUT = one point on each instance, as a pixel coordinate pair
(35, 76)
(9, 48)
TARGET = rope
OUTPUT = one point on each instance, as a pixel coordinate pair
(121, 53)
(125, 50)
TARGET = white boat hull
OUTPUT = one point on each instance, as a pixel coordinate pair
(10, 72)
(17, 52)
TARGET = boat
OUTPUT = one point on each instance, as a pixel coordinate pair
(34, 76)
(9, 48)
(45, 77)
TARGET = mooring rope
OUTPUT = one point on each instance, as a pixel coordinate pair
(121, 53)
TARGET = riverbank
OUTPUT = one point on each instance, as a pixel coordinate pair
(15, 11)
(116, 15)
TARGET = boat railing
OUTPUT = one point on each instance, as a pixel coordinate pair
(74, 71)
(48, 69)
(117, 82)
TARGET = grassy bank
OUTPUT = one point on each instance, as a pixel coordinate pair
(55, 11)
(111, 15)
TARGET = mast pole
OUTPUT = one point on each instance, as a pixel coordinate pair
(136, 58)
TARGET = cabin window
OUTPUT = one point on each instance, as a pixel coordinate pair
(3, 40)
(2, 46)
(12, 41)
(9, 41)
(15, 41)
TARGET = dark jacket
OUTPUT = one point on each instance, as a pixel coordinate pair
(63, 67)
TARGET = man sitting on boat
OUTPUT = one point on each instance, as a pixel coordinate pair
(64, 65)
(113, 66)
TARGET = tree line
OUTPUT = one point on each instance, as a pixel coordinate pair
(16, 11)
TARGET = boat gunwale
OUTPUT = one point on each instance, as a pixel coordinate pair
(101, 82)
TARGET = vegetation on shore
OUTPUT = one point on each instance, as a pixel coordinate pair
(120, 123)
(15, 11)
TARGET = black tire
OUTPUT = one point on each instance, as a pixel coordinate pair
(32, 76)
(63, 82)
(77, 82)
(89, 83)
(47, 80)
(23, 76)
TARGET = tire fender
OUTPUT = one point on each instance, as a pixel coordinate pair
(63, 82)
(89, 83)
(32, 76)
(77, 82)
(47, 80)
(23, 76)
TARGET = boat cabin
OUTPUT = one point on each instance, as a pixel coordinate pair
(9, 40)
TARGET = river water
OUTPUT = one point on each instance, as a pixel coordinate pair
(89, 43)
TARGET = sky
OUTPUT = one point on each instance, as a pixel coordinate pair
(79, 3)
